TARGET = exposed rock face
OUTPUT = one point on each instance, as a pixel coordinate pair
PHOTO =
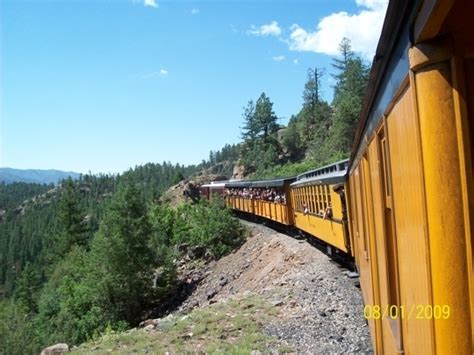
(281, 134)
(188, 190)
(191, 191)
(60, 348)
(239, 172)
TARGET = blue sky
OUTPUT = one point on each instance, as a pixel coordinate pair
(109, 84)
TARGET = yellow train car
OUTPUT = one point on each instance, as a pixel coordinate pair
(266, 198)
(410, 181)
(319, 205)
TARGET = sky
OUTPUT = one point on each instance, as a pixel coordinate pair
(104, 85)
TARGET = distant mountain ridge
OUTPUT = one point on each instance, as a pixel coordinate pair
(9, 175)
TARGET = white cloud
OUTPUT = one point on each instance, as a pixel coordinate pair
(271, 29)
(372, 4)
(363, 29)
(151, 3)
(194, 11)
(279, 58)
(155, 74)
(295, 61)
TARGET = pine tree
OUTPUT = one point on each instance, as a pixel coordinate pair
(352, 79)
(311, 92)
(250, 128)
(124, 260)
(265, 119)
(292, 141)
(72, 227)
(27, 287)
(259, 134)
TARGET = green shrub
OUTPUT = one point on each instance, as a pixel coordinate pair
(205, 224)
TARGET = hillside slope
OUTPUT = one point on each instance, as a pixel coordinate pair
(274, 293)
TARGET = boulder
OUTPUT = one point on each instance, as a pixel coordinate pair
(60, 348)
(182, 248)
(148, 322)
(196, 252)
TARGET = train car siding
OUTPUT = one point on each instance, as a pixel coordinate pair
(410, 183)
(316, 199)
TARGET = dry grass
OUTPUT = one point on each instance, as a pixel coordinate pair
(231, 327)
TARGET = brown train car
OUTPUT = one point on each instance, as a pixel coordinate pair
(410, 181)
(215, 187)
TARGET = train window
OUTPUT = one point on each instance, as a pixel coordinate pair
(306, 196)
(301, 198)
(321, 199)
(297, 198)
(365, 186)
(316, 195)
(323, 193)
(386, 179)
(318, 199)
(315, 198)
(329, 195)
(326, 197)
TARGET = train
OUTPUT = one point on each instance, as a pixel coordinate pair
(402, 205)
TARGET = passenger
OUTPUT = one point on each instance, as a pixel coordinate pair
(305, 208)
(328, 213)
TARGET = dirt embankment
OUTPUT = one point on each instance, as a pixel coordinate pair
(321, 308)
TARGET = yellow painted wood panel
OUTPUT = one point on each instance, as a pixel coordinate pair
(467, 128)
(350, 208)
(389, 342)
(351, 198)
(336, 204)
(363, 261)
(439, 143)
(258, 208)
(326, 230)
(412, 242)
(371, 245)
(276, 211)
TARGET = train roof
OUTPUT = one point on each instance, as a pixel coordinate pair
(238, 184)
(260, 183)
(221, 183)
(389, 68)
(329, 174)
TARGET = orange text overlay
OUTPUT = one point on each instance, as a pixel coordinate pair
(415, 311)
